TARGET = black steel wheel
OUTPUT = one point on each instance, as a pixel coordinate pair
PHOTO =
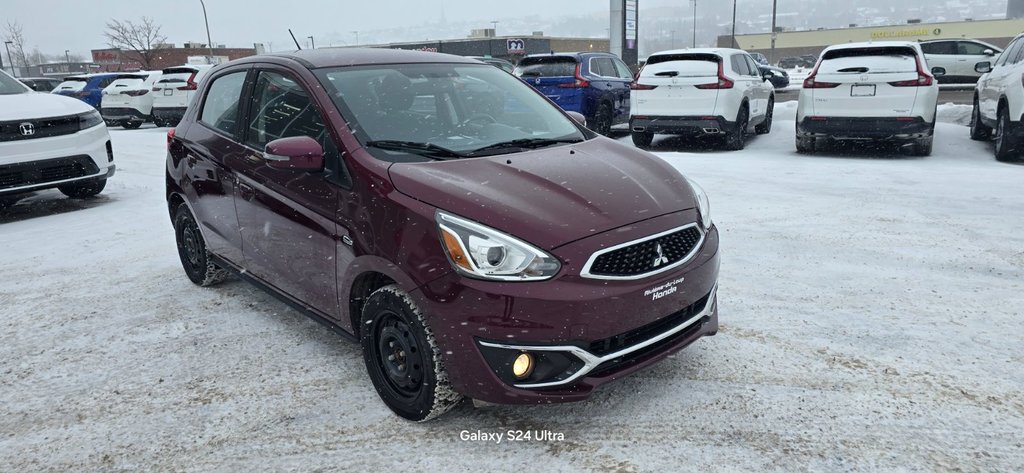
(195, 259)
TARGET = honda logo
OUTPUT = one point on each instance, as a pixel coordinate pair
(27, 129)
(661, 258)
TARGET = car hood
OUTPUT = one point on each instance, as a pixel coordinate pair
(34, 105)
(551, 196)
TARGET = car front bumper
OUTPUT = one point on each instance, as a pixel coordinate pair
(708, 125)
(31, 165)
(878, 128)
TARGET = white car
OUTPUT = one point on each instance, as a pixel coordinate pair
(869, 91)
(47, 141)
(711, 92)
(128, 100)
(174, 91)
(999, 102)
(958, 57)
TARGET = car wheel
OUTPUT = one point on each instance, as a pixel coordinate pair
(195, 258)
(7, 202)
(737, 139)
(131, 125)
(643, 139)
(83, 190)
(765, 127)
(603, 120)
(979, 132)
(402, 357)
(1006, 148)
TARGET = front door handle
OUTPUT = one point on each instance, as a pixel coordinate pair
(245, 191)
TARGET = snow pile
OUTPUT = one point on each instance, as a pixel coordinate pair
(955, 114)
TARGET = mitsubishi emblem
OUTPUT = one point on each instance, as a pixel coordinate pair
(661, 258)
(27, 129)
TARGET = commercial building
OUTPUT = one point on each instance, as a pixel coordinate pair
(116, 60)
(797, 43)
(485, 43)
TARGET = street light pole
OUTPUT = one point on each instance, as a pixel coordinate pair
(209, 42)
(312, 44)
(734, 45)
(771, 54)
(7, 46)
(673, 39)
(67, 60)
(695, 23)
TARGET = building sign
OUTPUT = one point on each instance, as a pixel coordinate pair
(631, 23)
(907, 33)
(516, 46)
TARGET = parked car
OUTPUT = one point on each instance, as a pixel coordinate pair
(999, 102)
(40, 84)
(87, 88)
(778, 76)
(48, 141)
(496, 62)
(496, 250)
(794, 62)
(879, 91)
(710, 92)
(809, 60)
(593, 84)
(958, 57)
(127, 101)
(174, 91)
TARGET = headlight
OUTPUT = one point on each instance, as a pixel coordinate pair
(485, 253)
(703, 206)
(89, 119)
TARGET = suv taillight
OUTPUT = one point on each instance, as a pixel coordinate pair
(811, 83)
(636, 86)
(579, 83)
(170, 137)
(190, 83)
(924, 79)
(136, 93)
(722, 83)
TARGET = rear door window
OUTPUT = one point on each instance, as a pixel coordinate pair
(602, 66)
(554, 66)
(939, 47)
(739, 65)
(621, 69)
(869, 60)
(752, 66)
(220, 109)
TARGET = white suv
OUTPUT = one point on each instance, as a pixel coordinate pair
(717, 92)
(127, 101)
(869, 91)
(47, 141)
(174, 91)
(999, 102)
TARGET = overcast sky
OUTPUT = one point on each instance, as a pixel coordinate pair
(56, 25)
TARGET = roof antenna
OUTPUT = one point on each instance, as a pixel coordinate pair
(293, 39)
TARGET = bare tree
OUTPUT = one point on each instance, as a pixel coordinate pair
(15, 35)
(142, 38)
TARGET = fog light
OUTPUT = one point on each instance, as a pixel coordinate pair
(523, 365)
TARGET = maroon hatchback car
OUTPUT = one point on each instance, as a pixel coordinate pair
(475, 238)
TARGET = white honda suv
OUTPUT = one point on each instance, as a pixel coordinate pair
(999, 102)
(712, 92)
(47, 141)
(879, 91)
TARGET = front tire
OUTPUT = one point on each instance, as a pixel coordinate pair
(979, 132)
(402, 357)
(83, 190)
(643, 139)
(195, 258)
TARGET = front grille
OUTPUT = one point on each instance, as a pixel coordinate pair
(649, 331)
(42, 172)
(647, 256)
(39, 128)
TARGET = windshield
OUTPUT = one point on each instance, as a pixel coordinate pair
(464, 110)
(11, 86)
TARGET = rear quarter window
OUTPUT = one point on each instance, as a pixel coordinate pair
(547, 67)
(683, 65)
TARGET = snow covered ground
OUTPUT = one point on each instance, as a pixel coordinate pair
(872, 310)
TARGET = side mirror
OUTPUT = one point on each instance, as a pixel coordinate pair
(297, 153)
(989, 52)
(767, 74)
(578, 118)
(983, 67)
(938, 71)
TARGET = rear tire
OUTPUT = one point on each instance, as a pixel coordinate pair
(402, 357)
(195, 258)
(131, 125)
(979, 132)
(603, 120)
(737, 139)
(1006, 146)
(765, 127)
(643, 139)
(83, 190)
(922, 146)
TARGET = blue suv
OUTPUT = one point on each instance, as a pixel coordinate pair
(593, 84)
(87, 88)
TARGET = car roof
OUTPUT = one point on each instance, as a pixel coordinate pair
(717, 51)
(339, 57)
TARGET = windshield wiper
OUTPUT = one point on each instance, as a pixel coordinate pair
(429, 150)
(523, 143)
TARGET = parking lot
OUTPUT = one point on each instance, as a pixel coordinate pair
(871, 310)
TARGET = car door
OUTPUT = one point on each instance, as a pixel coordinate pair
(745, 83)
(969, 54)
(941, 54)
(210, 146)
(286, 218)
(763, 87)
(625, 78)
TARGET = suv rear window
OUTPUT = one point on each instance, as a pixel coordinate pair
(867, 60)
(177, 74)
(73, 83)
(554, 66)
(684, 65)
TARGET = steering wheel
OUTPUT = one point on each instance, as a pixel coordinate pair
(480, 118)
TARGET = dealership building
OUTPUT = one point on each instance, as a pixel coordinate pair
(797, 43)
(485, 43)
